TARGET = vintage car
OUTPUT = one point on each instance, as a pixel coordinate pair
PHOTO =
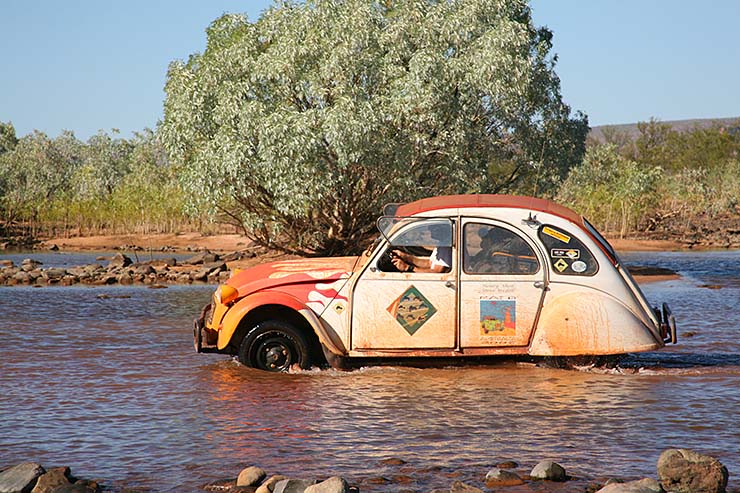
(464, 276)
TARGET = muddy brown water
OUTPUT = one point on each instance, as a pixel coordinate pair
(112, 388)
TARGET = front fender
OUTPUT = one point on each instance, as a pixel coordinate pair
(243, 307)
(589, 323)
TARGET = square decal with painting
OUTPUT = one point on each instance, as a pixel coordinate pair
(498, 317)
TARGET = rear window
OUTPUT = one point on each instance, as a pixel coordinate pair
(568, 256)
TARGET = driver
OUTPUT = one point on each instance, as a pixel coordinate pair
(439, 261)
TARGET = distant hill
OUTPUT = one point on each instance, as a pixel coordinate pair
(631, 128)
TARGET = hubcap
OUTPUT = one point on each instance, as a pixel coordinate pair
(275, 355)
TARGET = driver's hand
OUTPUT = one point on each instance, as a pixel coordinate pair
(398, 262)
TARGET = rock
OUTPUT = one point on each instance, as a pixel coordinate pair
(331, 485)
(21, 478)
(460, 487)
(269, 485)
(549, 471)
(54, 478)
(53, 274)
(221, 485)
(507, 464)
(205, 257)
(7, 263)
(686, 471)
(251, 476)
(393, 461)
(144, 269)
(646, 485)
(292, 485)
(54, 247)
(79, 487)
(30, 264)
(501, 477)
(120, 260)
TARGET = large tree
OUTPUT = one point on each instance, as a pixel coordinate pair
(300, 126)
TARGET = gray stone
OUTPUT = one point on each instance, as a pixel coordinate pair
(460, 487)
(54, 274)
(292, 485)
(646, 485)
(120, 260)
(331, 485)
(269, 485)
(686, 471)
(251, 476)
(202, 258)
(144, 269)
(500, 477)
(53, 479)
(30, 264)
(21, 478)
(549, 471)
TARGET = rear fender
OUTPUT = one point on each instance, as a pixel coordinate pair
(243, 307)
(589, 323)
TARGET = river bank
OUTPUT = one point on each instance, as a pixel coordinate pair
(678, 471)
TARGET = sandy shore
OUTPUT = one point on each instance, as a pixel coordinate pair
(233, 242)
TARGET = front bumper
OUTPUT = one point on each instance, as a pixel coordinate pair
(204, 339)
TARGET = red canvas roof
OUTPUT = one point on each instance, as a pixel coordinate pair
(483, 200)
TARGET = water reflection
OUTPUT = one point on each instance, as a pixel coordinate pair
(113, 388)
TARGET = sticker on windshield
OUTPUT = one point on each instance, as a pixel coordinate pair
(556, 234)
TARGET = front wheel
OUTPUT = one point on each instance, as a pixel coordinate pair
(274, 346)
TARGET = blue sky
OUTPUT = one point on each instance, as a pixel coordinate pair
(87, 65)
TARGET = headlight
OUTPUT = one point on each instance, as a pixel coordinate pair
(226, 294)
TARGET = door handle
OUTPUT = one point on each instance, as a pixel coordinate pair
(539, 284)
(450, 284)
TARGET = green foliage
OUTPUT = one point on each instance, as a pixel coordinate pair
(612, 190)
(664, 179)
(300, 126)
(106, 184)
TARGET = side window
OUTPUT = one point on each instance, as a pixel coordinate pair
(429, 240)
(494, 250)
(568, 256)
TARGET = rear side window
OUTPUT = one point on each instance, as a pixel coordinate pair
(568, 256)
(491, 249)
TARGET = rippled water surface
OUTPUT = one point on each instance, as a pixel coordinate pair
(113, 388)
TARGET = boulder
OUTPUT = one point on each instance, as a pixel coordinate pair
(268, 486)
(6, 263)
(21, 478)
(646, 485)
(205, 257)
(53, 479)
(120, 260)
(292, 485)
(460, 487)
(331, 485)
(53, 274)
(500, 477)
(30, 264)
(251, 476)
(686, 471)
(549, 471)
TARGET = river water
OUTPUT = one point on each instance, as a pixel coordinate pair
(112, 387)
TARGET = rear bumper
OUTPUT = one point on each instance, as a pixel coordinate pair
(204, 339)
(667, 324)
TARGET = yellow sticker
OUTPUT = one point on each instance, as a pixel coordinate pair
(556, 234)
(560, 265)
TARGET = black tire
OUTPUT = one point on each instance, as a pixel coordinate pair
(274, 346)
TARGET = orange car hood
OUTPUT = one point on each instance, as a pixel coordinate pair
(286, 272)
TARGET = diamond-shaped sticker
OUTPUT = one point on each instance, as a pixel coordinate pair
(560, 265)
(411, 310)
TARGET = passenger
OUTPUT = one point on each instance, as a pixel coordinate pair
(439, 261)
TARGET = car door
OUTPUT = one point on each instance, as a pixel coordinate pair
(502, 281)
(394, 310)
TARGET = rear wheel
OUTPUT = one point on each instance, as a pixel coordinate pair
(275, 346)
